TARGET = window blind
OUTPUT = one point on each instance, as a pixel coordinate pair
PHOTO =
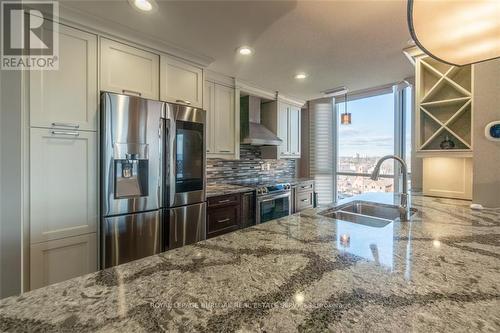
(322, 148)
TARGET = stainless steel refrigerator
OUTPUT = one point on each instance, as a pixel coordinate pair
(152, 177)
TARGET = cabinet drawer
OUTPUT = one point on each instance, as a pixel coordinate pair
(223, 219)
(305, 187)
(304, 200)
(224, 200)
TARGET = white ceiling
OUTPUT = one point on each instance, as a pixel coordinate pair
(353, 43)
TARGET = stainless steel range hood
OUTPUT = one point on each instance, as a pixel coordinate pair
(252, 131)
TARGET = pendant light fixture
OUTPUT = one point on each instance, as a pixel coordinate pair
(345, 118)
(456, 32)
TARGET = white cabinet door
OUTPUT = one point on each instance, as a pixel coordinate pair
(447, 177)
(283, 127)
(294, 131)
(67, 98)
(224, 120)
(63, 259)
(128, 70)
(208, 106)
(63, 178)
(181, 82)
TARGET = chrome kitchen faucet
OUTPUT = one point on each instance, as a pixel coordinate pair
(403, 206)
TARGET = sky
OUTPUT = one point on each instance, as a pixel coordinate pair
(371, 132)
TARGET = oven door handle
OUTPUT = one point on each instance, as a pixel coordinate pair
(271, 198)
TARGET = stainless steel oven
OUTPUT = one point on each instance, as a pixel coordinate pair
(273, 202)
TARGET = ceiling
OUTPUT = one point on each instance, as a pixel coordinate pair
(353, 43)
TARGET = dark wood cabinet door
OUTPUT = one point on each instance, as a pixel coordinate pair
(247, 210)
(223, 219)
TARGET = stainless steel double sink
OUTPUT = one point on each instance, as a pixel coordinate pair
(367, 213)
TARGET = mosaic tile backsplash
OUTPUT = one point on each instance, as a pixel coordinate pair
(248, 167)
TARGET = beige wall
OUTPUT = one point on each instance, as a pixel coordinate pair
(486, 153)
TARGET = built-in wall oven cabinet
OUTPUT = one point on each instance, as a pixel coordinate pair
(273, 206)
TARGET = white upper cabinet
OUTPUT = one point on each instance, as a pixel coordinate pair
(129, 70)
(180, 82)
(219, 103)
(208, 106)
(283, 129)
(67, 98)
(294, 131)
(283, 119)
(225, 140)
(63, 183)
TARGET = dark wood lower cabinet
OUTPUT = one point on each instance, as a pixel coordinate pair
(247, 209)
(223, 219)
(228, 213)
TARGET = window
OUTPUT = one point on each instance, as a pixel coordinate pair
(381, 125)
(362, 143)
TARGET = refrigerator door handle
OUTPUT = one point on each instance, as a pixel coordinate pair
(172, 166)
(160, 169)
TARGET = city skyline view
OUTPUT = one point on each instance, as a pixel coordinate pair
(369, 137)
(371, 132)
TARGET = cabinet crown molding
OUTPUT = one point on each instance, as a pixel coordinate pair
(255, 91)
(291, 100)
(413, 52)
(108, 29)
(218, 78)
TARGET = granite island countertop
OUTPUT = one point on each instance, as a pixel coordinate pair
(302, 273)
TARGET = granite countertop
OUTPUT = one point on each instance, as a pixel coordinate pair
(302, 273)
(215, 190)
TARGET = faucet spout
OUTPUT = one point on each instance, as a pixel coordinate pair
(405, 212)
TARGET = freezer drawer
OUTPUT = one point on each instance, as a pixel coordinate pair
(130, 237)
(186, 225)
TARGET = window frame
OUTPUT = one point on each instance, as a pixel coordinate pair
(399, 97)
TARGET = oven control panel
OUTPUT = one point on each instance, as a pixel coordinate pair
(273, 188)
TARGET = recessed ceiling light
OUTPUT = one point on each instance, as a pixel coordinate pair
(245, 50)
(300, 76)
(144, 5)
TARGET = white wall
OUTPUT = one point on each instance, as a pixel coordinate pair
(10, 183)
(486, 153)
